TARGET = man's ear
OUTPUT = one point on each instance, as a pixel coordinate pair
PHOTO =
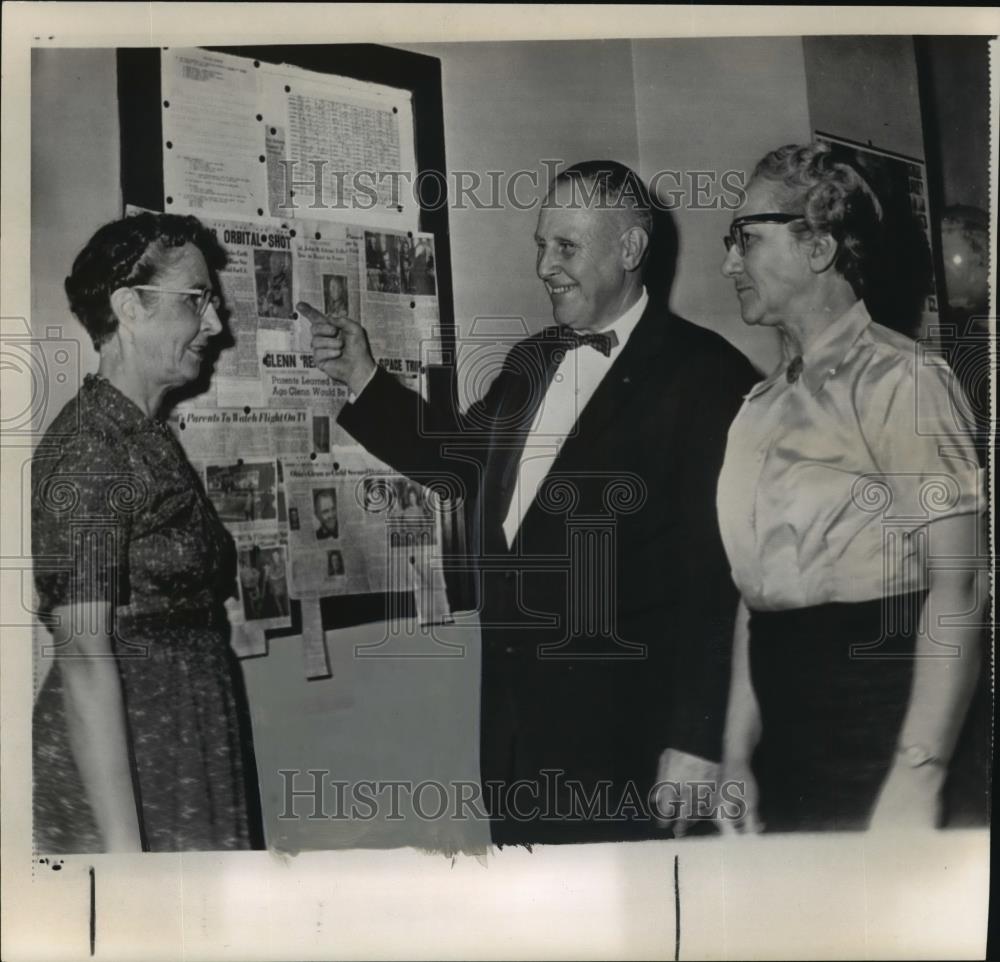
(822, 252)
(635, 242)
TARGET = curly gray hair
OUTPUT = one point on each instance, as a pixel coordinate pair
(833, 197)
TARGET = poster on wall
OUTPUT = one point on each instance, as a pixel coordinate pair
(340, 149)
(212, 137)
(898, 296)
(242, 138)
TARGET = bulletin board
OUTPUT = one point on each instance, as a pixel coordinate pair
(321, 170)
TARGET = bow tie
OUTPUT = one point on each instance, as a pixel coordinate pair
(599, 342)
(794, 369)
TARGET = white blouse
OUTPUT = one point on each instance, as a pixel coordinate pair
(831, 478)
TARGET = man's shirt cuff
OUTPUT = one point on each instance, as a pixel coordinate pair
(351, 396)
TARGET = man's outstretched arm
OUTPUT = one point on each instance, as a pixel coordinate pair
(392, 422)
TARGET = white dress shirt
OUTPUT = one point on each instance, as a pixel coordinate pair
(575, 380)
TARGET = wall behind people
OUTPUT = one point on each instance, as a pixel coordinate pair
(75, 187)
(880, 73)
(704, 108)
(654, 105)
(508, 106)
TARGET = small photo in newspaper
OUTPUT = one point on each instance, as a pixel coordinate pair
(245, 494)
(327, 528)
(324, 501)
(273, 280)
(321, 433)
(336, 295)
(409, 515)
(397, 263)
(401, 516)
(334, 563)
(263, 571)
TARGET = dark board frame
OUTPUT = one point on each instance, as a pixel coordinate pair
(139, 106)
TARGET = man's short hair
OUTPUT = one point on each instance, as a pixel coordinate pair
(611, 186)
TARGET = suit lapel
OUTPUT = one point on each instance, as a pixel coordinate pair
(643, 368)
(644, 364)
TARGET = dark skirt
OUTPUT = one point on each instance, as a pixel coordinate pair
(833, 683)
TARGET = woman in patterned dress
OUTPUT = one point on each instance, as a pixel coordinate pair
(141, 733)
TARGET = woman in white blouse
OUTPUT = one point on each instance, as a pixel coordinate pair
(849, 504)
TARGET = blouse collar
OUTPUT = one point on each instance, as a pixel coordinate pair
(822, 358)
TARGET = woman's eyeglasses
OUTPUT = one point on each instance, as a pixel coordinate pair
(204, 296)
(736, 238)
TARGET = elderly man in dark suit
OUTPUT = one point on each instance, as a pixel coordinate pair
(590, 464)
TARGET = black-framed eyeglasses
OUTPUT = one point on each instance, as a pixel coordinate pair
(736, 238)
(203, 296)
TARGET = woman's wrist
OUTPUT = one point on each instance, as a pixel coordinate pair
(918, 752)
(919, 762)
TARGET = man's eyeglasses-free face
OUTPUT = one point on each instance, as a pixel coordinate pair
(203, 296)
(736, 238)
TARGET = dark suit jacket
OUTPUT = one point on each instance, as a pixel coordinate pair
(607, 624)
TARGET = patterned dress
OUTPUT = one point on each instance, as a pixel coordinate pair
(119, 515)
